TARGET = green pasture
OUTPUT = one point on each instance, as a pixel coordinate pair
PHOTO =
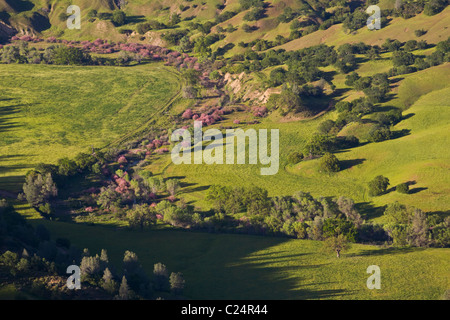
(233, 266)
(49, 112)
(417, 154)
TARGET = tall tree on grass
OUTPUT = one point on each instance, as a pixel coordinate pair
(119, 17)
(338, 234)
(176, 283)
(108, 283)
(419, 230)
(173, 186)
(38, 189)
(161, 277)
(124, 291)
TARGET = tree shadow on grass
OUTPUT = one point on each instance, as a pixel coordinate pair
(7, 119)
(400, 133)
(416, 190)
(273, 281)
(387, 251)
(348, 164)
(20, 5)
(369, 211)
(196, 189)
(6, 125)
(216, 266)
(135, 19)
(12, 184)
(407, 116)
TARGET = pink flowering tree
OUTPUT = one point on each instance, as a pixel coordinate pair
(188, 114)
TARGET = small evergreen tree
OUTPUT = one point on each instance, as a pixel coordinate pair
(109, 284)
(161, 276)
(177, 283)
(124, 290)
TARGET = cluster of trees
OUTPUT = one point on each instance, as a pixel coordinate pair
(375, 88)
(353, 111)
(291, 98)
(51, 55)
(303, 65)
(300, 216)
(410, 226)
(133, 282)
(118, 17)
(77, 53)
(404, 61)
(144, 27)
(408, 9)
(337, 221)
(29, 255)
(320, 143)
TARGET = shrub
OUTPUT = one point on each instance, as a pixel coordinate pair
(401, 58)
(379, 133)
(420, 32)
(378, 186)
(295, 157)
(329, 163)
(92, 13)
(63, 16)
(402, 188)
(118, 18)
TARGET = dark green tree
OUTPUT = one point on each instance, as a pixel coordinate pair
(378, 186)
(119, 17)
(329, 163)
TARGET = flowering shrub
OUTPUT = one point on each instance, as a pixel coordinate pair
(187, 114)
(259, 111)
(122, 160)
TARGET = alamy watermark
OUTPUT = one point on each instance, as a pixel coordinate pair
(74, 19)
(74, 281)
(374, 21)
(374, 281)
(213, 153)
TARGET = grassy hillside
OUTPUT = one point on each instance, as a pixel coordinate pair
(398, 28)
(418, 156)
(227, 266)
(49, 112)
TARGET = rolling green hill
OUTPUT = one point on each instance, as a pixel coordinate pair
(231, 266)
(48, 112)
(51, 112)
